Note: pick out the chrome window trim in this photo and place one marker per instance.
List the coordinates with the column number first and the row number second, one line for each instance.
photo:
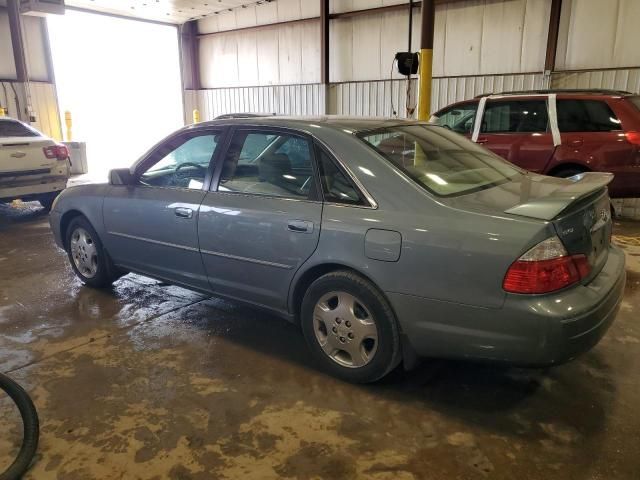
column 247, row 259
column 156, row 242
column 264, row 195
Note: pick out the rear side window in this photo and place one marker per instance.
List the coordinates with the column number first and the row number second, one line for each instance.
column 459, row 118
column 336, row 187
column 9, row 128
column 586, row 116
column 444, row 163
column 515, row 116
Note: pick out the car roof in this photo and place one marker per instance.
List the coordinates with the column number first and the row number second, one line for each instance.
column 562, row 91
column 347, row 124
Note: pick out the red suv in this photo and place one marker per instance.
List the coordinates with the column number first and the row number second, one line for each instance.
column 557, row 132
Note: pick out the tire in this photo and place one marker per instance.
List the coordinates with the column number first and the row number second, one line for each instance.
column 350, row 327
column 568, row 172
column 47, row 200
column 87, row 256
column 31, row 429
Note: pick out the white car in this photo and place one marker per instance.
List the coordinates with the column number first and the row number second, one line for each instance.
column 32, row 165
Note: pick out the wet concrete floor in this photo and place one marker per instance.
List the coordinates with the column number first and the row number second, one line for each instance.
column 148, row 381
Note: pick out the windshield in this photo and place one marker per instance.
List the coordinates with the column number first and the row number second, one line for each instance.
column 441, row 161
column 11, row 128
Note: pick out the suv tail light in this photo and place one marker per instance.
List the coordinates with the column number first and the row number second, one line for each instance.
column 545, row 268
column 57, row 151
column 633, row 138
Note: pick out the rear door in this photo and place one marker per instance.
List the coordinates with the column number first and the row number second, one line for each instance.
column 262, row 220
column 22, row 155
column 593, row 136
column 518, row 131
column 152, row 225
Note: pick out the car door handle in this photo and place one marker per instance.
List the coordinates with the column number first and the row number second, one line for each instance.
column 18, row 155
column 482, row 140
column 183, row 212
column 300, row 226
column 575, row 143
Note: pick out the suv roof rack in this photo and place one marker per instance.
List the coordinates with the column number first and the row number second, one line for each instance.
column 588, row 91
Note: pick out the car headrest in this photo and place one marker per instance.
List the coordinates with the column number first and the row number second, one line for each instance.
column 273, row 167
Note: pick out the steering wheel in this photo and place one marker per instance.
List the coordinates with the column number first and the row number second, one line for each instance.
column 191, row 164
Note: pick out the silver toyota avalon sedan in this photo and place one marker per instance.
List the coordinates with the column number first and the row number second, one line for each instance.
column 385, row 240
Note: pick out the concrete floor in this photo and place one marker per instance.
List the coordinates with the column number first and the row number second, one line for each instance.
column 151, row 381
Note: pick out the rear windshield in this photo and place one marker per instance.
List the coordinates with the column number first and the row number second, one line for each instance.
column 443, row 162
column 635, row 101
column 11, row 128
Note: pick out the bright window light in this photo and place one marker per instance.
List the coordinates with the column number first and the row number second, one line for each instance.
column 120, row 79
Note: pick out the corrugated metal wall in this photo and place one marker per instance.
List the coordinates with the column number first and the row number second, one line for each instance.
column 43, row 102
column 282, row 99
column 627, row 79
column 382, row 98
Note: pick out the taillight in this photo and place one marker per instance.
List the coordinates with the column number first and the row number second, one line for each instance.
column 633, row 138
column 545, row 268
column 57, row 151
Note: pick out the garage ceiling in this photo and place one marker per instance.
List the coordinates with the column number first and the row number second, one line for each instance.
column 171, row 11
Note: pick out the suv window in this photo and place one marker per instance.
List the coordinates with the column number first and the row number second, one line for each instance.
column 11, row 128
column 515, row 116
column 459, row 118
column 182, row 162
column 336, row 187
column 586, row 116
column 268, row 163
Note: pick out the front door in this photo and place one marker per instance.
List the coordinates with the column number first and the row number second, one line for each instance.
column 152, row 225
column 263, row 220
column 518, row 131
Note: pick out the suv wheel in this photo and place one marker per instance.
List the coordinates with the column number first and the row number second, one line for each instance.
column 350, row 327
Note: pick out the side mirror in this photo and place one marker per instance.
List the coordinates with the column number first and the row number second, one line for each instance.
column 120, row 176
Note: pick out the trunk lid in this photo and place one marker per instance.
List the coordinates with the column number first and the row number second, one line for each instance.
column 578, row 207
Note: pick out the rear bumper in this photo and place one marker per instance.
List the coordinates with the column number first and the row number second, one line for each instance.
column 31, row 191
column 527, row 330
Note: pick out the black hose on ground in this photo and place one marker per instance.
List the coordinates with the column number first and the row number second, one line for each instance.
column 31, row 428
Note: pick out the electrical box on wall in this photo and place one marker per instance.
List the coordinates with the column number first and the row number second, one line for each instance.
column 40, row 8
column 407, row 63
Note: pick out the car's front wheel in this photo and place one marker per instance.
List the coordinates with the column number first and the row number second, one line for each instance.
column 86, row 254
column 350, row 327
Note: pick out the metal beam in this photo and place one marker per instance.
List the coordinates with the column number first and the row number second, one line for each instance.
column 189, row 56
column 13, row 10
column 324, row 41
column 552, row 38
column 426, row 58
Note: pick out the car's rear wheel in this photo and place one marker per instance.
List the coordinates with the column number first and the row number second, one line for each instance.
column 350, row 327
column 88, row 258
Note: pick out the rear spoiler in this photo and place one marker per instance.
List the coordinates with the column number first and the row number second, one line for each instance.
column 547, row 208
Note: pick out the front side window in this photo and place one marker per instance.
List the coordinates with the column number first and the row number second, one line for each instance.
column 515, row 116
column 268, row 163
column 459, row 118
column 182, row 162
column 442, row 162
column 586, row 116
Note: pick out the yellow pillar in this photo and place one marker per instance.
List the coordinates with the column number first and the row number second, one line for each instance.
column 196, row 116
column 69, row 123
column 424, row 91
column 2, row 112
